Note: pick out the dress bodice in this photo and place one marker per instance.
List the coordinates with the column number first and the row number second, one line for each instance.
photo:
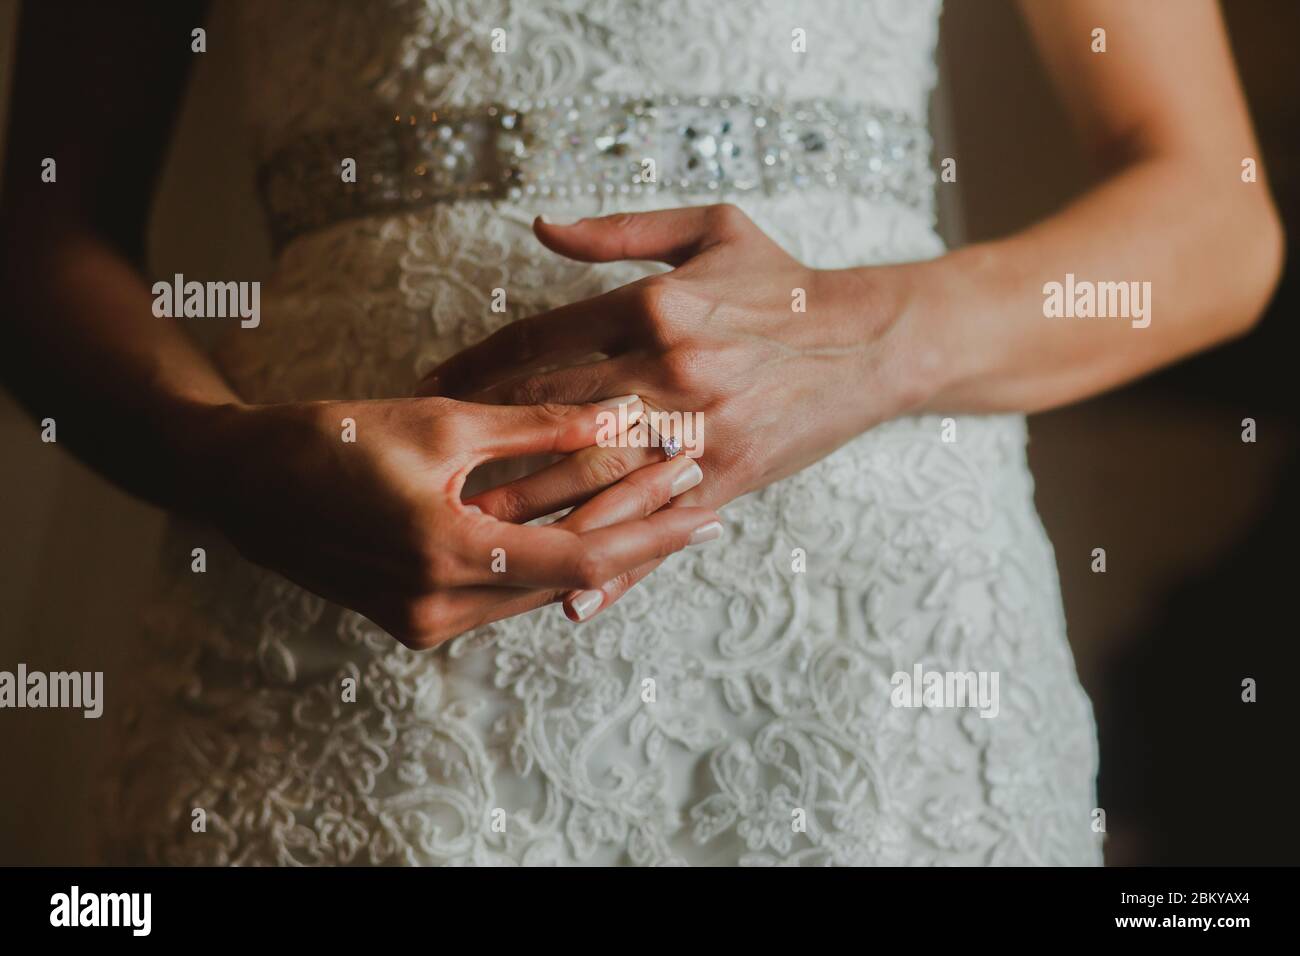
column 531, row 740
column 313, row 66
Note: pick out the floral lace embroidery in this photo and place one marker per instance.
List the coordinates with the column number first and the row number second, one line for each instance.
column 531, row 741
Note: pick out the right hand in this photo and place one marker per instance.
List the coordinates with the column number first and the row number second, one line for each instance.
column 377, row 524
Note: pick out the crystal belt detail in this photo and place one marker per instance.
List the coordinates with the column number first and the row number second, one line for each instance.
column 593, row 146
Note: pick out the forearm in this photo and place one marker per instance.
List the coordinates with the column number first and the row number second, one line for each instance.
column 973, row 321
column 129, row 392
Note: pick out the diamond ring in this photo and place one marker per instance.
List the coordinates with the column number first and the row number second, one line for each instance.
column 655, row 421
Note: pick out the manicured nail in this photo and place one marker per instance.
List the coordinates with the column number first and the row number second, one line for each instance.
column 706, row 532
column 686, row 479
column 587, row 603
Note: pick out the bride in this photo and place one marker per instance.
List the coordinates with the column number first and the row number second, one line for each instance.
column 559, row 211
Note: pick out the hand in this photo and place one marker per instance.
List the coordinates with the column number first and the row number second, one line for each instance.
column 377, row 524
column 719, row 334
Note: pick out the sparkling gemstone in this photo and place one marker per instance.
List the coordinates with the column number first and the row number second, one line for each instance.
column 813, row 141
column 550, row 147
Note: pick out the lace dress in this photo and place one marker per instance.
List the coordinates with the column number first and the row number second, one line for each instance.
column 767, row 735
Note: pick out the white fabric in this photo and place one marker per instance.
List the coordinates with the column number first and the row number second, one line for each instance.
column 530, row 741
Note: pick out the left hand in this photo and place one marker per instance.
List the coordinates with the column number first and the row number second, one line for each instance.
column 720, row 334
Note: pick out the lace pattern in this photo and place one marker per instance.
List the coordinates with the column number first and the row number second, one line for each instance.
column 532, row 741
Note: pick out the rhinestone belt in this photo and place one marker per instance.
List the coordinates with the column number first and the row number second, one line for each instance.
column 598, row 145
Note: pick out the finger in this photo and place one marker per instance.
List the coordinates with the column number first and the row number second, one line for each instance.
column 562, row 335
column 509, row 431
column 618, row 503
column 639, row 495
column 510, row 555
column 582, row 606
column 568, row 482
column 666, row 235
column 569, row 386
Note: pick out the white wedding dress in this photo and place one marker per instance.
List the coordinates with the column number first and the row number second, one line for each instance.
column 769, row 737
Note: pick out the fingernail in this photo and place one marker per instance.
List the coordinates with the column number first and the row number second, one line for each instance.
column 587, row 603
column 552, row 222
column 474, row 509
column 686, row 479
column 621, row 400
column 706, row 532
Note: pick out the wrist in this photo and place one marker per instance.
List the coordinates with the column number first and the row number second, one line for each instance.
column 941, row 330
column 904, row 362
column 202, row 436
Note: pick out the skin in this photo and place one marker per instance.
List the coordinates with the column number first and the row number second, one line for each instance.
column 963, row 333
column 377, row 525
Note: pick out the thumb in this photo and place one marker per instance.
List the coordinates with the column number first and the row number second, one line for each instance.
column 665, row 235
column 509, row 431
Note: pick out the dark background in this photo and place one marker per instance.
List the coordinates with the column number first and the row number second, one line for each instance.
column 1200, row 529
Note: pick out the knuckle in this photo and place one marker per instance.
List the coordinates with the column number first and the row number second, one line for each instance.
column 550, row 413
column 452, row 428
column 589, row 571
column 425, row 623
column 411, row 637
column 506, row 503
column 439, row 406
column 725, row 217
column 401, row 635
column 670, row 544
column 418, row 641
column 653, row 296
column 603, row 466
column 624, row 227
column 616, row 588
column 532, row 390
column 655, row 306
column 649, row 499
column 681, row 369
column 647, row 495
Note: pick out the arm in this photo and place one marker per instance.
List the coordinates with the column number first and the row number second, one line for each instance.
column 1163, row 115
column 962, row 333
column 377, row 524
column 81, row 345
